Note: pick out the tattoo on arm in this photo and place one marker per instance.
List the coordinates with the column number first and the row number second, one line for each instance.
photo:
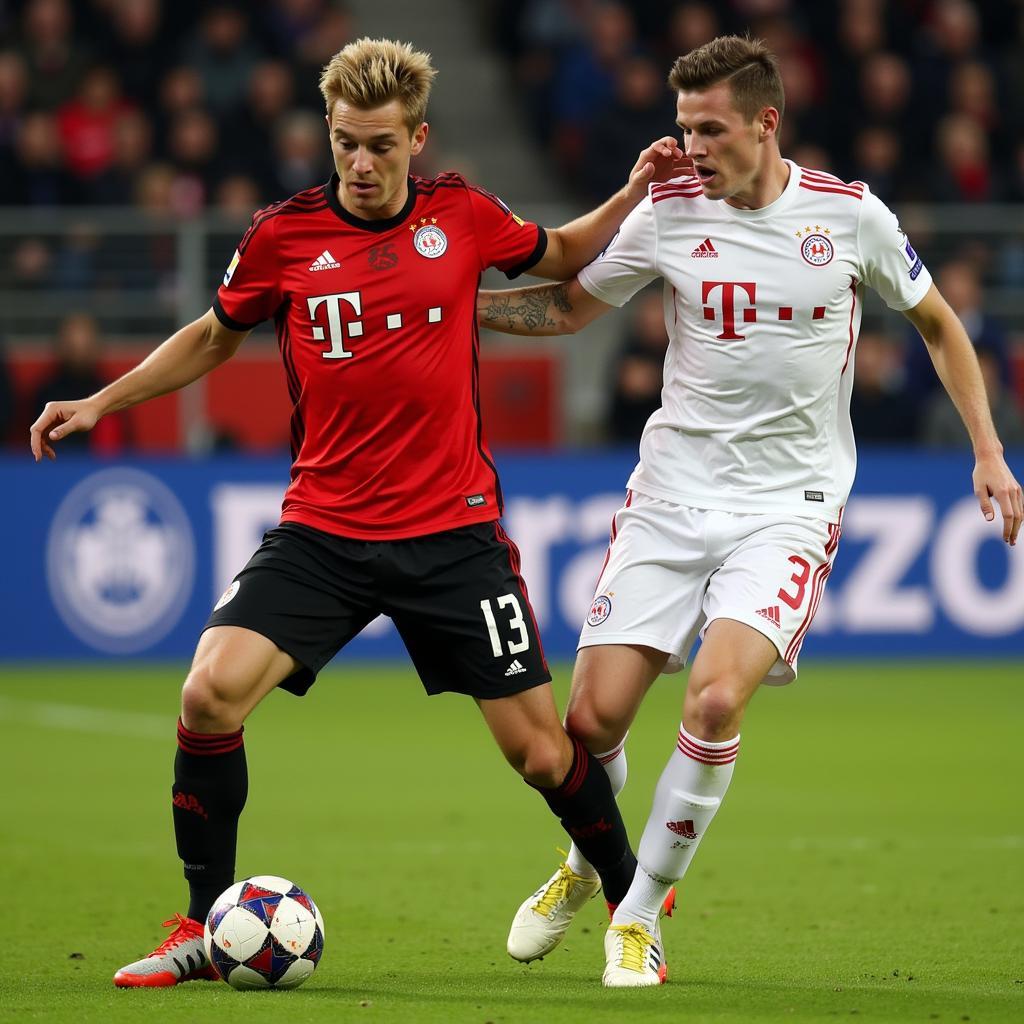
column 528, row 310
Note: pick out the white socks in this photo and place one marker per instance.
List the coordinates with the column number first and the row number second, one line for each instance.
column 688, row 794
column 614, row 762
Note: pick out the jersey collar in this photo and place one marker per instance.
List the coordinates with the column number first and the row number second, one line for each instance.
column 331, row 195
column 778, row 204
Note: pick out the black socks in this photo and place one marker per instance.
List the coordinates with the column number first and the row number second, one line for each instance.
column 209, row 791
column 586, row 807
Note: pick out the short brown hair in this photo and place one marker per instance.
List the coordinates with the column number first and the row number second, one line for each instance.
column 371, row 72
column 750, row 68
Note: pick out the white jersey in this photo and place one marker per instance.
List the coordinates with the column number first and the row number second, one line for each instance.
column 763, row 308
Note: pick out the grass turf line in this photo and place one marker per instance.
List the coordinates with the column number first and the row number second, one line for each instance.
column 866, row 865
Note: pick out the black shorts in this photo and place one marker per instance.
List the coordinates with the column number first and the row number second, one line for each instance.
column 457, row 599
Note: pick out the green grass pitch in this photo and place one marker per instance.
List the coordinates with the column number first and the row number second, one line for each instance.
column 868, row 864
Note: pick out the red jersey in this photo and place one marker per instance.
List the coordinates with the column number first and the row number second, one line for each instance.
column 376, row 323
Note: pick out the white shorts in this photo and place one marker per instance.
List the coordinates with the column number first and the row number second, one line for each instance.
column 672, row 569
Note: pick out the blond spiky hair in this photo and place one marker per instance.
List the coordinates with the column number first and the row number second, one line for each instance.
column 371, row 72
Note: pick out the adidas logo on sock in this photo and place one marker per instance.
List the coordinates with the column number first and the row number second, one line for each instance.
column 514, row 669
column 682, row 828
column 771, row 614
column 325, row 261
column 705, row 249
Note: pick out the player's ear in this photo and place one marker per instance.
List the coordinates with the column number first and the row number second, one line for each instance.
column 419, row 138
column 768, row 123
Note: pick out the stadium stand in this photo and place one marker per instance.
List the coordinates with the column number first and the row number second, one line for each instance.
column 136, row 137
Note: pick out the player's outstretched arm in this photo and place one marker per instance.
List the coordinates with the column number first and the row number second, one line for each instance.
column 562, row 308
column 572, row 246
column 957, row 366
column 184, row 357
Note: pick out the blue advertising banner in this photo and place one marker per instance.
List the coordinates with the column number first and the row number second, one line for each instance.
column 127, row 559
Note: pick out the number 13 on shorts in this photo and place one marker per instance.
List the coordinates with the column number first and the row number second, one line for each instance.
column 516, row 625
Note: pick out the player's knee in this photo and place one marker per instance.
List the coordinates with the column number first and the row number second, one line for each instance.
column 544, row 763
column 715, row 710
column 595, row 729
column 210, row 700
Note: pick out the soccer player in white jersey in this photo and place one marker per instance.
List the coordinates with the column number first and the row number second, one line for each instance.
column 733, row 513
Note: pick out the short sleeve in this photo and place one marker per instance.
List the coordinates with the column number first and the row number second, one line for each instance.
column 505, row 241
column 251, row 292
column 629, row 261
column 889, row 263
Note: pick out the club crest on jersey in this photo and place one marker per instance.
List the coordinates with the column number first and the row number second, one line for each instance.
column 227, row 595
column 599, row 610
column 429, row 239
column 815, row 245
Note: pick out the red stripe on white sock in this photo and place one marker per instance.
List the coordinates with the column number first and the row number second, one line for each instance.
column 612, row 754
column 707, row 753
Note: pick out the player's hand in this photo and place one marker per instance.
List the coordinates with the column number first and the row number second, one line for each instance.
column 57, row 420
column 662, row 160
column 993, row 479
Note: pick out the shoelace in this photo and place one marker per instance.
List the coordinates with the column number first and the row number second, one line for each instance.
column 556, row 892
column 182, row 932
column 636, row 940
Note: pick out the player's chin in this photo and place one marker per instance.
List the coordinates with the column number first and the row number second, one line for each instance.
column 713, row 186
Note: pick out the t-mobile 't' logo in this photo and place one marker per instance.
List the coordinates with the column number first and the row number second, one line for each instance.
column 728, row 306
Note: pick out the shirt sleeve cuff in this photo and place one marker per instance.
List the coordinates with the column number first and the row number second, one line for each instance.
column 593, row 288
column 534, row 258
column 229, row 321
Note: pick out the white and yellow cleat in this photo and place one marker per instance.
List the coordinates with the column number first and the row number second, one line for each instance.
column 635, row 958
column 543, row 919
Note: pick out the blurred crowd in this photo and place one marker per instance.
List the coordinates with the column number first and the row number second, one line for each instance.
column 179, row 107
column 922, row 99
column 171, row 105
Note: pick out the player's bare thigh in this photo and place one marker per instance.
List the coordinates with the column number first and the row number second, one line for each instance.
column 232, row 671
column 732, row 661
column 609, row 683
column 528, row 731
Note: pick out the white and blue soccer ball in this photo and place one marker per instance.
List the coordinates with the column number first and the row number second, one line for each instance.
column 264, row 932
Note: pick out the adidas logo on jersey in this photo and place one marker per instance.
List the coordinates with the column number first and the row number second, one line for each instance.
column 771, row 614
column 705, row 249
column 514, row 669
column 325, row 261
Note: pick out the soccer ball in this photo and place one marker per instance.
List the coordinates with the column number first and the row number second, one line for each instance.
column 264, row 932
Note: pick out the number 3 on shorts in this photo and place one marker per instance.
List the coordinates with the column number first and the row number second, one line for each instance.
column 517, row 623
column 800, row 578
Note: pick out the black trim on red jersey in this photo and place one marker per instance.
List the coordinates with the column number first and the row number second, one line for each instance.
column 331, row 194
column 534, row 258
column 498, row 202
column 446, row 179
column 229, row 321
column 498, row 497
column 296, row 424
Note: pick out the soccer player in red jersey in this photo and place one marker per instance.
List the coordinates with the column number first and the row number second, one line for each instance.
column 394, row 502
